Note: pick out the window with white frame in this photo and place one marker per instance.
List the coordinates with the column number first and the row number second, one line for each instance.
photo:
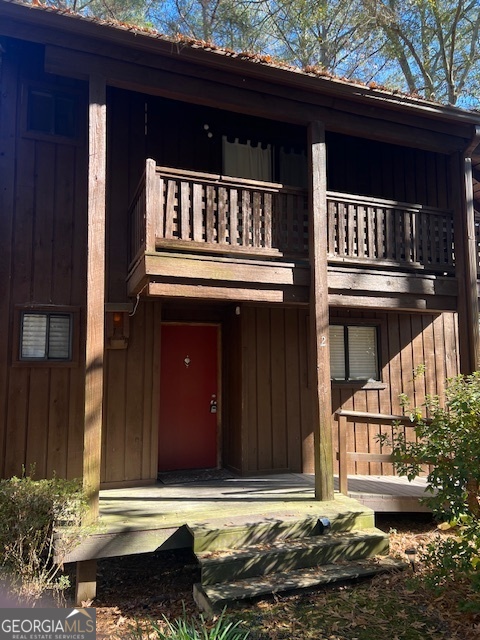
column 45, row 336
column 354, row 352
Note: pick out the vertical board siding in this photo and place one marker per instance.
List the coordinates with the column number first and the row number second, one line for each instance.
column 407, row 341
column 130, row 403
column 274, row 383
column 43, row 219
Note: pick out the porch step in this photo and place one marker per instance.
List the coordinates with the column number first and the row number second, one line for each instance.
column 288, row 555
column 240, row 531
column 212, row 598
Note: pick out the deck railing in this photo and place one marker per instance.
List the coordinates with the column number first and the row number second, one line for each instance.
column 363, row 230
column 345, row 417
column 201, row 212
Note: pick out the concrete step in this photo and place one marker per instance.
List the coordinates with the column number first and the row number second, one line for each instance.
column 212, row 598
column 287, row 555
column 241, row 531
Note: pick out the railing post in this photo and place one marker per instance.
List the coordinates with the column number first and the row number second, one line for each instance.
column 152, row 200
column 342, row 454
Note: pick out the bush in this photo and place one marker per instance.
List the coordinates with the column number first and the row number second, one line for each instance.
column 33, row 513
column 449, row 442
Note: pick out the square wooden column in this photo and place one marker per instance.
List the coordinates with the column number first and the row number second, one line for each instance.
column 466, row 257
column 94, row 349
column 319, row 346
column 94, row 325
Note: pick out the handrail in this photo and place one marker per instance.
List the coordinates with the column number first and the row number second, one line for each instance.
column 344, row 416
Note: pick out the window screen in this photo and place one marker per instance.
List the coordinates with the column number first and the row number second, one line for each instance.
column 45, row 336
column 353, row 352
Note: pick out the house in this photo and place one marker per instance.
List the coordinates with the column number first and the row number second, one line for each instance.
column 205, row 254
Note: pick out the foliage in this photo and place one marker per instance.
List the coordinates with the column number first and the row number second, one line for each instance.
column 429, row 48
column 193, row 629
column 449, row 442
column 33, row 512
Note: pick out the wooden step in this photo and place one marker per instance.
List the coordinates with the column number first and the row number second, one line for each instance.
column 241, row 531
column 287, row 555
column 212, row 598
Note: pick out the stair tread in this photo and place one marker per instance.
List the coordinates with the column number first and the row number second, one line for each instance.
column 295, row 580
column 288, row 545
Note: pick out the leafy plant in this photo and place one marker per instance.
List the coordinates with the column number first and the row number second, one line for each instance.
column 449, row 442
column 193, row 629
column 34, row 512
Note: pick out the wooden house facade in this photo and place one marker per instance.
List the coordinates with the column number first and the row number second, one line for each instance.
column 205, row 255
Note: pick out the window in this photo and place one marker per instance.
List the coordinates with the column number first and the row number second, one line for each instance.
column 353, row 352
column 247, row 160
column 45, row 336
column 52, row 112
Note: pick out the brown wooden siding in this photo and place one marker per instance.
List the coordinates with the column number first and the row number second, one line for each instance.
column 406, row 342
column 131, row 401
column 42, row 251
column 275, row 398
column 381, row 170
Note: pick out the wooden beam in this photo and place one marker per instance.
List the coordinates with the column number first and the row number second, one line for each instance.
column 398, row 302
column 471, row 265
column 319, row 313
column 94, row 349
column 255, row 101
column 285, row 294
column 466, row 253
column 8, row 127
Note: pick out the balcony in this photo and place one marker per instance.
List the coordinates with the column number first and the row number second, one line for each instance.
column 244, row 236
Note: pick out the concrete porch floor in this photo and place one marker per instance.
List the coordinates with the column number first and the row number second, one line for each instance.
column 144, row 519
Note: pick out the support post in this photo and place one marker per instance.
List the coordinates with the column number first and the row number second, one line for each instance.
column 86, row 582
column 94, row 340
column 466, row 257
column 342, row 454
column 319, row 314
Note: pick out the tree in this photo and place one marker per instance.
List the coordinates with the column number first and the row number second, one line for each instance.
column 232, row 24
column 434, row 43
column 329, row 33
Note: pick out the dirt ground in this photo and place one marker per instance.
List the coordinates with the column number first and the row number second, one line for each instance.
column 135, row 588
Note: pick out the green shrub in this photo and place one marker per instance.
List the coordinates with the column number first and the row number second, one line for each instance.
column 449, row 442
column 33, row 512
column 193, row 629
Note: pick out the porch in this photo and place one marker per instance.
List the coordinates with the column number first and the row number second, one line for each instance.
column 143, row 519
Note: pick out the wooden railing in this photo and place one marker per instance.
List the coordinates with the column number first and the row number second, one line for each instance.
column 202, row 212
column 207, row 212
column 344, row 417
column 363, row 230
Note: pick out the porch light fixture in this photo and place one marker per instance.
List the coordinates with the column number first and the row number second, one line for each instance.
column 117, row 325
column 411, row 554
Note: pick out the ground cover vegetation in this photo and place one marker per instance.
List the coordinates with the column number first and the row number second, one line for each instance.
column 428, row 48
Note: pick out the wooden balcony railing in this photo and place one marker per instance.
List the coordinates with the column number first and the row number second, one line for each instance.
column 200, row 212
column 364, row 230
column 206, row 212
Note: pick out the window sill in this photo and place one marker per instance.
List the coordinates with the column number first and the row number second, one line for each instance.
column 366, row 385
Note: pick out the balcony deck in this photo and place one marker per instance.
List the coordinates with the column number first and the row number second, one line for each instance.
column 204, row 235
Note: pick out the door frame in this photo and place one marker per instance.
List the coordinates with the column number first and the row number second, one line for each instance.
column 218, row 325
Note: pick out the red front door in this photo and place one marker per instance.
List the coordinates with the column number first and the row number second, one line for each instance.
column 187, row 436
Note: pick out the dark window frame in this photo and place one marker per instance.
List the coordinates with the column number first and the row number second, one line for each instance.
column 57, row 92
column 49, row 311
column 363, row 382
